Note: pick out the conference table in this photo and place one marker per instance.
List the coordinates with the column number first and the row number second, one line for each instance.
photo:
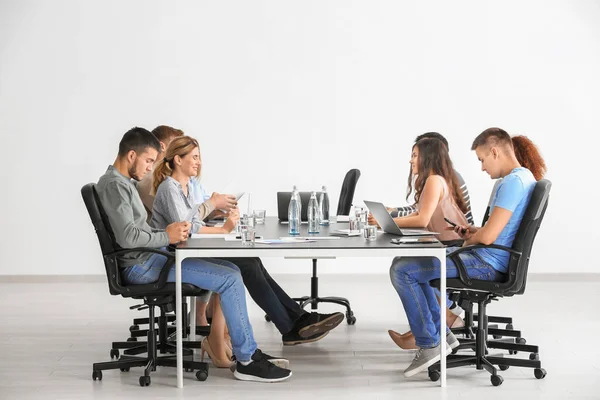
column 354, row 246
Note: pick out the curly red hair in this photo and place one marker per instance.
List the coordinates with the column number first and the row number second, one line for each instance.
column 529, row 156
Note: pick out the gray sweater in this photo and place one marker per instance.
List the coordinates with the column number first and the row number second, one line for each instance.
column 127, row 217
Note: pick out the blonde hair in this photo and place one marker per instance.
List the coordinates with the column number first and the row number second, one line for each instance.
column 180, row 146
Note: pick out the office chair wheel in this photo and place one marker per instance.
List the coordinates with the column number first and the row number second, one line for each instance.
column 509, row 327
column 434, row 376
column 124, row 369
column 267, row 318
column 503, row 367
column 114, row 353
column 350, row 318
column 97, row 375
column 534, row 356
column 512, row 352
column 144, row 381
column 521, row 341
column 497, row 380
column 134, row 328
column 202, row 375
column 132, row 339
column 540, row 373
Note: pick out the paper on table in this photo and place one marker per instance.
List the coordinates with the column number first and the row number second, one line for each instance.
column 283, row 241
column 345, row 232
column 342, row 218
column 311, row 238
column 213, row 235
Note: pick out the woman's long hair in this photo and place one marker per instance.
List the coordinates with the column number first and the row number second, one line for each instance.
column 435, row 160
column 529, row 156
column 180, row 146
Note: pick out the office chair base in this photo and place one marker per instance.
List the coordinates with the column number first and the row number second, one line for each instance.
column 126, row 362
column 481, row 345
column 314, row 298
column 304, row 301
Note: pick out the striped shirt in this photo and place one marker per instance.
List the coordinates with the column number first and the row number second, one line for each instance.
column 407, row 210
column 172, row 205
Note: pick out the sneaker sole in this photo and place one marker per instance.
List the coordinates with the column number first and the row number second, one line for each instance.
column 295, row 342
column 322, row 326
column 280, row 362
column 254, row 378
column 426, row 365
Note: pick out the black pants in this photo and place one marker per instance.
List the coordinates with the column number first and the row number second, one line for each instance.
column 269, row 296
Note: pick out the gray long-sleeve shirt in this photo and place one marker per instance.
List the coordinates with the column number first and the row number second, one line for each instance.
column 172, row 205
column 127, row 217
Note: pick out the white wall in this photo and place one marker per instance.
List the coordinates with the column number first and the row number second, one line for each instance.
column 281, row 93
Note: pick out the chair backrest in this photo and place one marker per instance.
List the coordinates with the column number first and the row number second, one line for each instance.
column 106, row 237
column 530, row 224
column 347, row 192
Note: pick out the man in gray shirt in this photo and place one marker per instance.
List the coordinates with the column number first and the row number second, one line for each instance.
column 127, row 217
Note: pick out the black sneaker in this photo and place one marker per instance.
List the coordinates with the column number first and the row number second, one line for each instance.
column 293, row 338
column 314, row 323
column 279, row 361
column 261, row 369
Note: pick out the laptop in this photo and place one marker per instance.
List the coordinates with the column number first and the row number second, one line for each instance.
column 283, row 203
column 387, row 222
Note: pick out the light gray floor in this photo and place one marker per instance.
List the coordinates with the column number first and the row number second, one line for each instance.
column 53, row 332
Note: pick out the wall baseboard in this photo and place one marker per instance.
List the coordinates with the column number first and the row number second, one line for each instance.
column 533, row 277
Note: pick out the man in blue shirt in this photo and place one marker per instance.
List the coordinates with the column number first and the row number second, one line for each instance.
column 410, row 275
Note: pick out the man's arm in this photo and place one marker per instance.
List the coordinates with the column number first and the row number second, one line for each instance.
column 509, row 195
column 116, row 200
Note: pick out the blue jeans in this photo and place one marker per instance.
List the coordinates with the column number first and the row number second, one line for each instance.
column 410, row 277
column 219, row 276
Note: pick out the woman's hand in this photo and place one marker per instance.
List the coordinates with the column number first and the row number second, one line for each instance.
column 372, row 221
column 232, row 219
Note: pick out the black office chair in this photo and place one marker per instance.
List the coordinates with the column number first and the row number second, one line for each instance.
column 159, row 294
column 344, row 205
column 484, row 292
column 470, row 317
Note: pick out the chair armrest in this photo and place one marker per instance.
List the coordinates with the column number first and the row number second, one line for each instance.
column 462, row 271
column 484, row 246
column 164, row 272
column 141, row 250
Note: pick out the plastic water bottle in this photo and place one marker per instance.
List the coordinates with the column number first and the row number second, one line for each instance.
column 313, row 214
column 324, row 207
column 294, row 213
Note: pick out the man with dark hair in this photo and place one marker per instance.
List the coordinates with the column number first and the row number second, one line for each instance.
column 407, row 210
column 138, row 151
column 410, row 275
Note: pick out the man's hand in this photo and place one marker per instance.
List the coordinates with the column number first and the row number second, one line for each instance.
column 372, row 221
column 222, row 201
column 465, row 232
column 232, row 219
column 178, row 231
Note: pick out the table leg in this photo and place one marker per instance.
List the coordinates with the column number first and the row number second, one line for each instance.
column 443, row 317
column 178, row 319
column 193, row 311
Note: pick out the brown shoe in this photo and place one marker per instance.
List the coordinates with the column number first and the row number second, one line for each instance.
column 405, row 341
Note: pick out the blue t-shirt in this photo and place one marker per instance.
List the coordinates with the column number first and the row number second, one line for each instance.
column 513, row 194
column 200, row 193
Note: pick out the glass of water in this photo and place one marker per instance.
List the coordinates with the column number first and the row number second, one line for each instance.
column 370, row 233
column 248, row 235
column 259, row 216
